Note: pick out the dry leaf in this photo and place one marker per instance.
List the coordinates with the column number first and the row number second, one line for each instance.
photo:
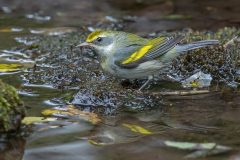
column 31, row 120
column 10, row 67
column 137, row 129
column 73, row 111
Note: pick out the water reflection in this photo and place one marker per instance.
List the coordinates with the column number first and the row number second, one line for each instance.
column 145, row 135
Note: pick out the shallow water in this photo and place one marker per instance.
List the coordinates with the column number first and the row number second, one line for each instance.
column 205, row 118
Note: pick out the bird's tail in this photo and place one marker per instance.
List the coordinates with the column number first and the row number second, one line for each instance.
column 179, row 49
column 195, row 45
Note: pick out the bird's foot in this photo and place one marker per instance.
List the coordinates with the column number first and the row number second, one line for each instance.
column 146, row 83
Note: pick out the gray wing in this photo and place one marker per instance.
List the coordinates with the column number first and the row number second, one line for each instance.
column 159, row 46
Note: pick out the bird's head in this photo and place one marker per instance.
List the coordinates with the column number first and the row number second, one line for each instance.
column 102, row 42
column 105, row 43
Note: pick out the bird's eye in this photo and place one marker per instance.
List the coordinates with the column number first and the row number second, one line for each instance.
column 99, row 39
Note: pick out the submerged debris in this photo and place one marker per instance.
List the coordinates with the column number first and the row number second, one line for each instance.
column 38, row 17
column 72, row 112
column 198, row 80
column 32, row 120
column 199, row 149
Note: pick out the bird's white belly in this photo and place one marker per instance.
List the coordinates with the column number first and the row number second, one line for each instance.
column 142, row 71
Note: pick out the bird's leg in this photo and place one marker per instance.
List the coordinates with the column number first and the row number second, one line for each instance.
column 146, row 83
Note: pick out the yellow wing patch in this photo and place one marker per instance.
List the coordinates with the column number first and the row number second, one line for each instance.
column 142, row 51
column 92, row 36
column 138, row 54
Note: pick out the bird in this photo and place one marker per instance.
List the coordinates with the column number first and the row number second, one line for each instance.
column 129, row 56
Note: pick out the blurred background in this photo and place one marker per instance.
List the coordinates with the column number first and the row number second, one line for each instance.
column 141, row 15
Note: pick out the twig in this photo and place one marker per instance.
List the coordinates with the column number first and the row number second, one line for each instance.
column 182, row 93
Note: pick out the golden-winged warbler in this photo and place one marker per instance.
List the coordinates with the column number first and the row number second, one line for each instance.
column 126, row 55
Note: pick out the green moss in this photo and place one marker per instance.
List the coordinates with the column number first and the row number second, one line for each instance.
column 11, row 108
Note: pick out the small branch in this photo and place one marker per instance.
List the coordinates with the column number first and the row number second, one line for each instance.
column 182, row 93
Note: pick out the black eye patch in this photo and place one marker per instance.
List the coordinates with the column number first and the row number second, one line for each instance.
column 99, row 39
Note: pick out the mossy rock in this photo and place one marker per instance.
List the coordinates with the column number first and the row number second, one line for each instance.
column 11, row 109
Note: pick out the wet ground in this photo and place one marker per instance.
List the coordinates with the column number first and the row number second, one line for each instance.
column 118, row 122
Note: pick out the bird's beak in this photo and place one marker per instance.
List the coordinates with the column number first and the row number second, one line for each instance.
column 84, row 44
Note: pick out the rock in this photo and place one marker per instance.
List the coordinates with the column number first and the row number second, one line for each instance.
column 11, row 109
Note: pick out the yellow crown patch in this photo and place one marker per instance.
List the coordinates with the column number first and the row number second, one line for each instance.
column 92, row 36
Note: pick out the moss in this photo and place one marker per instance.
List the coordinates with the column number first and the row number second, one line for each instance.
column 11, row 108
